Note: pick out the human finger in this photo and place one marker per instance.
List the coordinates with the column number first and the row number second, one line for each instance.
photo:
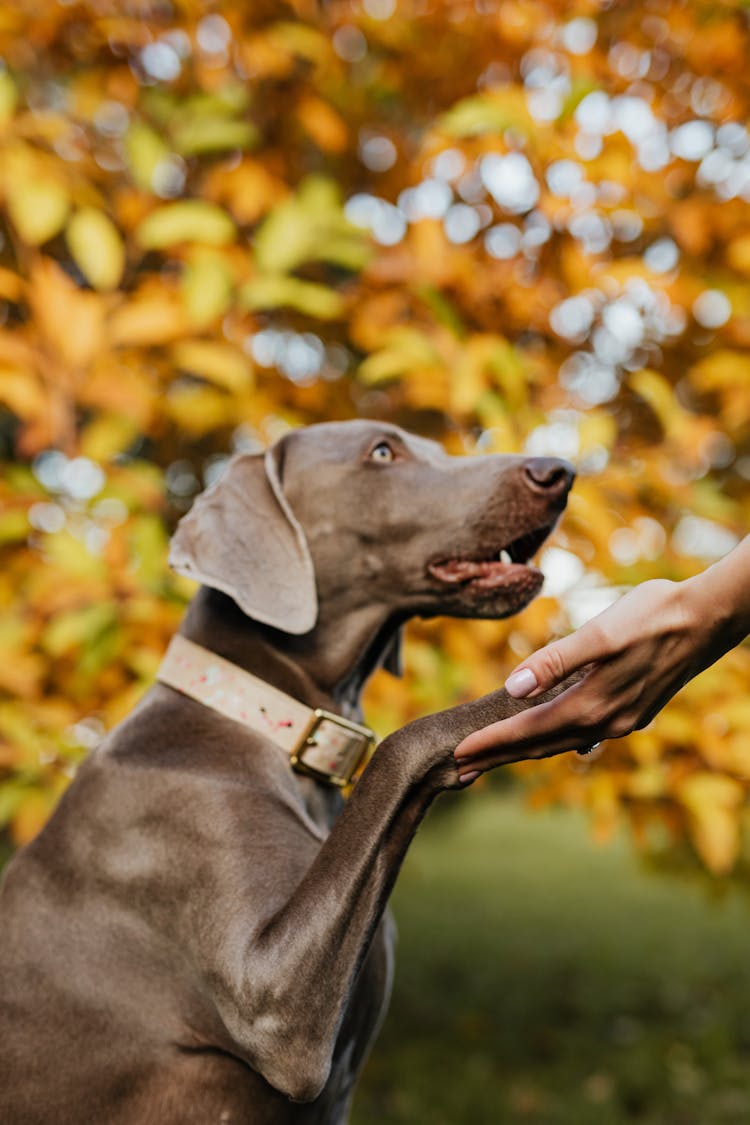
column 536, row 725
column 491, row 760
column 554, row 663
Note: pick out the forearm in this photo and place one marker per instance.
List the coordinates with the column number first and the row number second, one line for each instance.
column 718, row 599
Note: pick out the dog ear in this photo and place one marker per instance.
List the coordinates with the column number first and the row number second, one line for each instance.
column 241, row 537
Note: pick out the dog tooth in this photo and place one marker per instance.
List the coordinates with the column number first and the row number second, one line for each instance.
column 505, row 557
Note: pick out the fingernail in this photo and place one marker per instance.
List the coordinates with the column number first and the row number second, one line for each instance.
column 467, row 778
column 521, row 683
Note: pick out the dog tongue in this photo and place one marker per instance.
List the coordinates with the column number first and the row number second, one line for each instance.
column 461, row 570
column 464, row 570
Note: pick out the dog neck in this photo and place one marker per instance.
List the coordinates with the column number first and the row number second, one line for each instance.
column 323, row 668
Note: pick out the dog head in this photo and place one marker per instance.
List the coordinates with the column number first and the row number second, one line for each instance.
column 351, row 514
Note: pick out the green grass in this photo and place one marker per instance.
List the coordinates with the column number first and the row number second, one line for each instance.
column 543, row 979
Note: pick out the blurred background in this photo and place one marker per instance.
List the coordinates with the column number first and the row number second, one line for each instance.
column 510, row 226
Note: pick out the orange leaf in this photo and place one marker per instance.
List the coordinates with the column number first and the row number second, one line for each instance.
column 71, row 321
column 321, row 122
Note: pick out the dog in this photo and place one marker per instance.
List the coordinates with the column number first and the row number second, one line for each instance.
column 199, row 934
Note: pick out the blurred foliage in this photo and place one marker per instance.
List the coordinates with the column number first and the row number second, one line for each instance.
column 564, row 983
column 505, row 225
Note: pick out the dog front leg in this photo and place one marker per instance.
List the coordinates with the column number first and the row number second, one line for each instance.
column 300, row 967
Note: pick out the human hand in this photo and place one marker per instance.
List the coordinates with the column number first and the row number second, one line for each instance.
column 635, row 656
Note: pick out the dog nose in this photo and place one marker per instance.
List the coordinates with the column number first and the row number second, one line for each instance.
column 549, row 475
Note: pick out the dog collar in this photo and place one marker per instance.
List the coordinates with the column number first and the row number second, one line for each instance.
column 319, row 743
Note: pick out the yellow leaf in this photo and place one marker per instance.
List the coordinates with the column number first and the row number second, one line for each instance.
column 510, row 369
column 108, row 435
column 490, row 112
column 604, row 804
column 206, row 286
column 300, row 39
column 96, row 247
column 31, row 816
column 189, row 220
column 145, row 151
column 71, row 557
column 722, row 368
column 657, row 392
column 306, row 296
column 310, row 227
column 219, row 363
column 37, row 208
column 466, row 389
column 596, row 429
column 17, row 728
column 406, row 351
column 22, row 393
column 738, row 254
column 10, row 284
column 713, row 802
column 197, row 410
column 647, row 783
column 148, row 319
column 23, row 674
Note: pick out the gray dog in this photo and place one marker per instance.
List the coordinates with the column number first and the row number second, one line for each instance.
column 199, row 935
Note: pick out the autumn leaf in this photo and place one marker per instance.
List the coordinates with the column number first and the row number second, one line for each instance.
column 190, row 220
column 521, row 231
column 96, row 248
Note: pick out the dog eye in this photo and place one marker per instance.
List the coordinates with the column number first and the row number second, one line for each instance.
column 382, row 452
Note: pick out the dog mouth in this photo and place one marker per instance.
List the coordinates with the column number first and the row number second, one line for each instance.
column 507, row 569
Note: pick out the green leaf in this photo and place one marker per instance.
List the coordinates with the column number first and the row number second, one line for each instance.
column 406, row 350
column 305, row 296
column 486, row 113
column 71, row 557
column 310, row 227
column 300, row 39
column 443, row 309
column 213, row 134
column 14, row 526
column 106, row 435
column 12, row 795
column 230, row 100
column 8, row 96
column 148, row 545
column 77, row 627
column 580, row 88
column 96, row 248
column 189, row 220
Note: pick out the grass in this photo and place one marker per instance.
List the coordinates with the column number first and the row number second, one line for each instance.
column 541, row 979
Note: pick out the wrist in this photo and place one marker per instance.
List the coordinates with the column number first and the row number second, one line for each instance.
column 713, row 608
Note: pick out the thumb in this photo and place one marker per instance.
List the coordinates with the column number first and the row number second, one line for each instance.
column 554, row 663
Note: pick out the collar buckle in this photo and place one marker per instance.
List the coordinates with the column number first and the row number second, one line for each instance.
column 332, row 748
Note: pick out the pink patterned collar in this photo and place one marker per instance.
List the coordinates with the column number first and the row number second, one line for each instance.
column 319, row 743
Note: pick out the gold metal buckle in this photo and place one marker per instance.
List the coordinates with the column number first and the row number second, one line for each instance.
column 332, row 748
